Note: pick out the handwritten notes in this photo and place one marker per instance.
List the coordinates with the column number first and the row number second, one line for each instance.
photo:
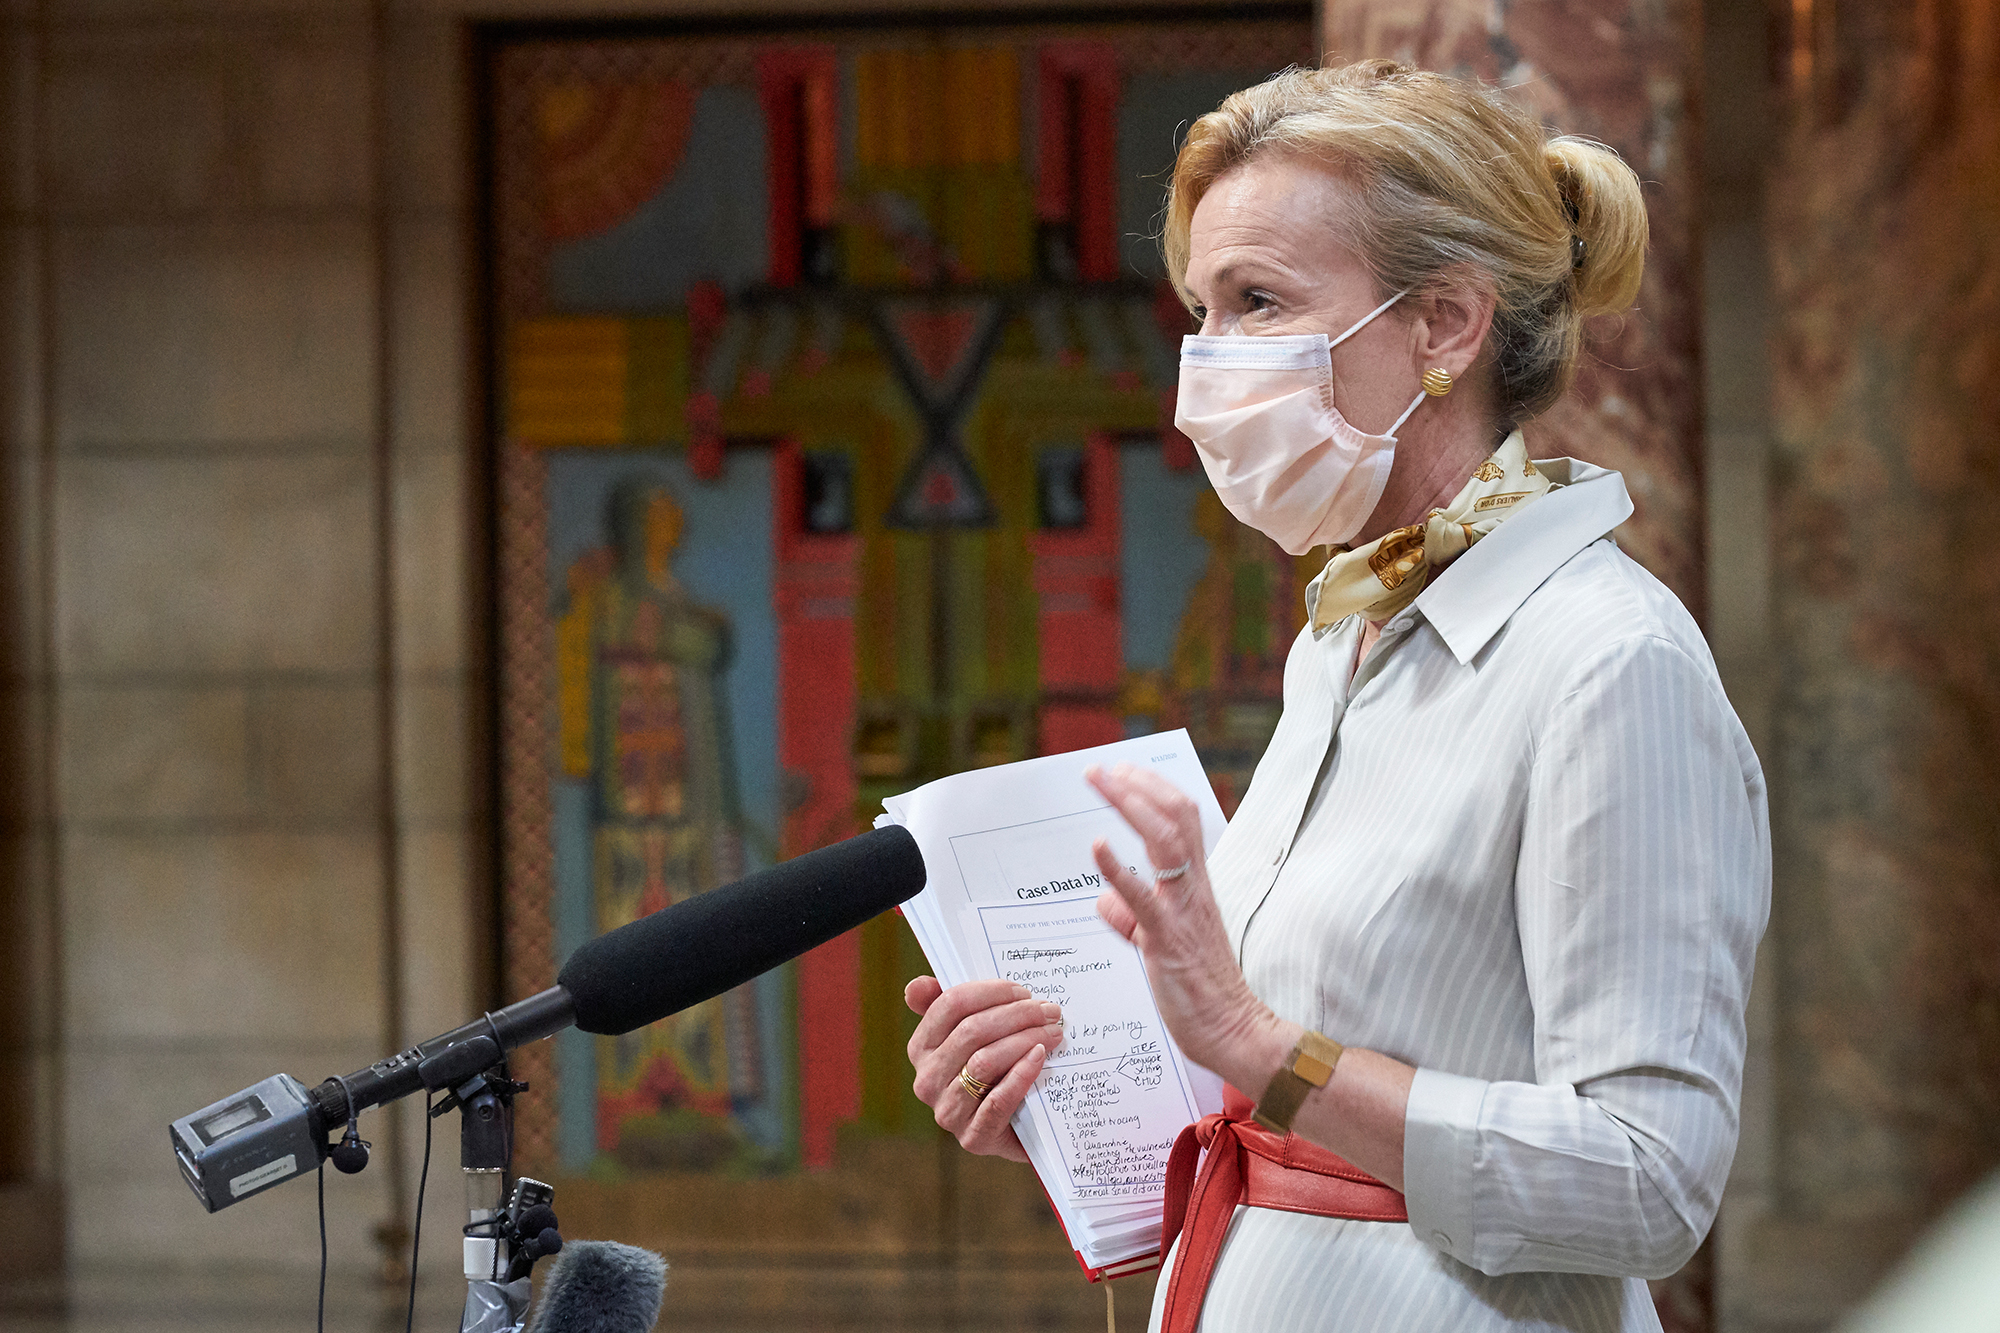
column 1012, row 893
column 1106, row 1098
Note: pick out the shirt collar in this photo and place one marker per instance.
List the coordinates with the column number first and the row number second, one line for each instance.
column 1481, row 590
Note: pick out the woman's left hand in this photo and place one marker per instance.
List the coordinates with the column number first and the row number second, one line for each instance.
column 1177, row 927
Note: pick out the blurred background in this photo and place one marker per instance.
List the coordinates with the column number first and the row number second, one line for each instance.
column 479, row 472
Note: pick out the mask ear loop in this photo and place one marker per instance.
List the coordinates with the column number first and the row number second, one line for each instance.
column 1363, row 322
column 1414, row 404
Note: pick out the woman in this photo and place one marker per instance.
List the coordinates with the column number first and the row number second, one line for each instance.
column 1480, row 934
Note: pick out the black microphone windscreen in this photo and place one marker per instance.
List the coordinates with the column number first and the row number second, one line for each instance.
column 600, row 1286
column 715, row 941
column 533, row 1220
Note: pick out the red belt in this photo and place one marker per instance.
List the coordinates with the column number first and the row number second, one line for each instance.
column 1247, row 1163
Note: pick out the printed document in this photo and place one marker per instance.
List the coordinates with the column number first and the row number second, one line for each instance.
column 1011, row 893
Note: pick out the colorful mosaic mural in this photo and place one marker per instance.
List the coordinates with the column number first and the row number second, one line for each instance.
column 834, row 454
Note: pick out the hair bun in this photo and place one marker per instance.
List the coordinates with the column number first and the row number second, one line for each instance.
column 1608, row 215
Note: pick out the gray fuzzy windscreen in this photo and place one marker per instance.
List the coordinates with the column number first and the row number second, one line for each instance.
column 600, row 1286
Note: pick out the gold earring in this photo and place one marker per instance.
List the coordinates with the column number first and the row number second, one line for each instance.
column 1437, row 381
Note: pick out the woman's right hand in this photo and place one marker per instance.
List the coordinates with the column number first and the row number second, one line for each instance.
column 1000, row 1032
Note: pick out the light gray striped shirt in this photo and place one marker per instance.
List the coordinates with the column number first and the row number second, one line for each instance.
column 1526, row 851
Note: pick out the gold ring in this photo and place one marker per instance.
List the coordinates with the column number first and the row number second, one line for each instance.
column 973, row 1087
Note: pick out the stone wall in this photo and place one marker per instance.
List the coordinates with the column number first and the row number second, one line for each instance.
column 1735, row 266
column 236, row 373
column 1882, row 243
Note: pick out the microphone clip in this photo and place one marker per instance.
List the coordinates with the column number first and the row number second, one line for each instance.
column 492, row 1081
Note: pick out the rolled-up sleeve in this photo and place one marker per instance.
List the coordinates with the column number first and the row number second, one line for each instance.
column 1641, row 889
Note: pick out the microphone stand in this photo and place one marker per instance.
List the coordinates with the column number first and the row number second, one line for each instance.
column 485, row 1106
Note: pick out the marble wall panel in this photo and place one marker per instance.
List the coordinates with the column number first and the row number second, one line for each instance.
column 23, row 533
column 20, row 338
column 217, row 13
column 317, row 761
column 1737, row 397
column 28, row 739
column 315, row 122
column 250, row 333
column 432, row 595
column 221, row 938
column 155, row 753
column 429, row 142
column 20, row 52
column 431, row 276
column 19, row 1052
column 1884, row 208
column 29, row 1041
column 130, row 1211
column 23, row 625
column 432, row 764
column 212, row 228
column 916, row 10
column 441, row 971
column 137, row 121
column 214, row 563
column 171, row 119
column 1626, row 73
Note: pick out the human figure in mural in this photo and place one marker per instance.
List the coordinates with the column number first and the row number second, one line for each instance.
column 664, row 824
column 1227, row 675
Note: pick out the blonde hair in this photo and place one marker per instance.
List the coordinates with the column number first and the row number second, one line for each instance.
column 1448, row 175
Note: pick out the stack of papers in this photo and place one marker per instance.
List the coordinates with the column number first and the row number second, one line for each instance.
column 1012, row 892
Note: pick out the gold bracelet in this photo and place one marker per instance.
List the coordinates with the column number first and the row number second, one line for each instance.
column 1309, row 1066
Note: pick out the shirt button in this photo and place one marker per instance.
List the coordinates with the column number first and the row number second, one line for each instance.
column 1442, row 1241
column 1278, row 855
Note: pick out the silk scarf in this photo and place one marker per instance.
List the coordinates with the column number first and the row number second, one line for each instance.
column 1382, row 577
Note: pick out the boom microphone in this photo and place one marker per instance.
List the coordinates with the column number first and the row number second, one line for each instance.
column 622, row 980
column 716, row 941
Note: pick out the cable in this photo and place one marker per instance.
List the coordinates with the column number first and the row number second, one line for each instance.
column 417, row 1232
column 322, row 1245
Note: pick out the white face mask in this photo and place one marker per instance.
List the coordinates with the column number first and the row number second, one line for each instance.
column 1281, row 457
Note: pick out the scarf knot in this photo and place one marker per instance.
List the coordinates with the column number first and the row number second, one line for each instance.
column 1381, row 577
